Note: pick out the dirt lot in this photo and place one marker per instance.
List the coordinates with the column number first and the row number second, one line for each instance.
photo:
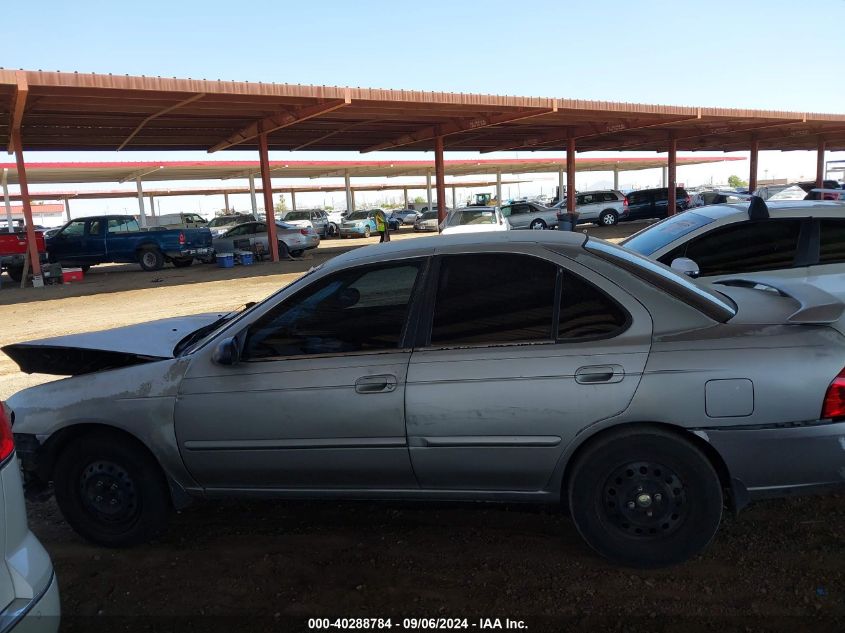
column 270, row 566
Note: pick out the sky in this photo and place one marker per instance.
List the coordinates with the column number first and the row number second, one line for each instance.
column 765, row 55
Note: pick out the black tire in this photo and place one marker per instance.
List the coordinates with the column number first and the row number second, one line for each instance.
column 284, row 252
column 16, row 273
column 135, row 505
column 538, row 225
column 183, row 262
column 608, row 217
column 85, row 268
column 331, row 230
column 297, row 253
column 657, row 472
column 366, row 231
column 151, row 259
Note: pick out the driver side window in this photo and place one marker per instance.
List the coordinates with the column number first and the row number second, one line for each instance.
column 358, row 310
column 74, row 229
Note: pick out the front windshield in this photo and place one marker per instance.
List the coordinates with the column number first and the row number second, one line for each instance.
column 358, row 215
column 298, row 215
column 221, row 221
column 197, row 339
column 653, row 238
column 429, row 215
column 472, row 217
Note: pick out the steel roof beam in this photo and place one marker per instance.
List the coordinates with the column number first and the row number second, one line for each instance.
column 455, row 127
column 579, row 133
column 158, row 114
column 278, row 121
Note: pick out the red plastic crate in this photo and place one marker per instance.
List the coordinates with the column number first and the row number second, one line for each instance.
column 72, row 275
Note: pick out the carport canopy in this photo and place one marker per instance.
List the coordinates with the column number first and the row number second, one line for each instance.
column 76, row 111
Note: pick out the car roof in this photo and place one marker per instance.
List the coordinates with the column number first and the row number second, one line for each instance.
column 777, row 208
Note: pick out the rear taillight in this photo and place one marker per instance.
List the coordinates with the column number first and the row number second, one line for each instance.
column 625, row 201
column 303, row 231
column 181, row 239
column 834, row 399
column 7, row 442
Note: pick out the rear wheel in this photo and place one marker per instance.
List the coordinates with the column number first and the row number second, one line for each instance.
column 151, row 259
column 183, row 262
column 538, row 225
column 331, row 230
column 608, row 217
column 644, row 497
column 284, row 252
column 296, row 253
column 111, row 491
column 16, row 273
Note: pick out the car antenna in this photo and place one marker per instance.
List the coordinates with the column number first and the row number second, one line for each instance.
column 758, row 210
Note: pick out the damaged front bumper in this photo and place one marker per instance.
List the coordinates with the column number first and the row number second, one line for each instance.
column 767, row 462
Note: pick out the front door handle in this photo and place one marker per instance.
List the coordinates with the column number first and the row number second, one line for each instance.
column 376, row 384
column 599, row 374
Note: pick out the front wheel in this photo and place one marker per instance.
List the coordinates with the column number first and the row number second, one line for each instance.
column 111, row 491
column 644, row 497
column 608, row 218
column 331, row 230
column 538, row 225
column 151, row 259
column 366, row 231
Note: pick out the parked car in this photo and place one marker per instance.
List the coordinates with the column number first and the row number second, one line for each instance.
column 119, row 238
column 29, row 591
column 427, row 221
column 544, row 367
column 315, row 218
column 407, row 216
column 394, row 222
column 795, row 240
column 223, row 223
column 654, row 203
column 529, row 215
column 475, row 220
column 603, row 207
column 358, row 224
column 706, row 198
column 293, row 240
column 185, row 220
column 13, row 248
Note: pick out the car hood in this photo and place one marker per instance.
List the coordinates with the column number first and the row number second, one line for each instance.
column 78, row 354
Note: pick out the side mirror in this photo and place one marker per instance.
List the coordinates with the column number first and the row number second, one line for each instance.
column 227, row 352
column 686, row 266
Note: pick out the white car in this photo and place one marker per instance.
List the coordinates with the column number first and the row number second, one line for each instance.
column 475, row 220
column 801, row 240
column 29, row 592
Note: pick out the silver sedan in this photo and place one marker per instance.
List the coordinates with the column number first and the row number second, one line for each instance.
column 293, row 240
column 517, row 366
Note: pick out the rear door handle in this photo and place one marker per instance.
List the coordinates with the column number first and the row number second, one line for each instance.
column 599, row 374
column 376, row 384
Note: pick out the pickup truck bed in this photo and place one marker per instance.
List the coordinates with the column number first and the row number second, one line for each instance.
column 119, row 239
column 13, row 250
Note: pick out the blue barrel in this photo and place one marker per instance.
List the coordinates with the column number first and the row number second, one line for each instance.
column 245, row 258
column 225, row 260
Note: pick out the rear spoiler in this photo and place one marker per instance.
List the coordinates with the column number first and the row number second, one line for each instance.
column 817, row 306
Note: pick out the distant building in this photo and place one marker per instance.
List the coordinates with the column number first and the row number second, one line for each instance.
column 42, row 214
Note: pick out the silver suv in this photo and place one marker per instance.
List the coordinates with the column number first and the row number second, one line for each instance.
column 29, row 593
column 604, row 207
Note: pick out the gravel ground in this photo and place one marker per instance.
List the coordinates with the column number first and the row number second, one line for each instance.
column 255, row 566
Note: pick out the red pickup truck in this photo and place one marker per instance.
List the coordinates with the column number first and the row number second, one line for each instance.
column 13, row 249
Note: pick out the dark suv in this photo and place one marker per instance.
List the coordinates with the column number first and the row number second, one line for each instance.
column 653, row 203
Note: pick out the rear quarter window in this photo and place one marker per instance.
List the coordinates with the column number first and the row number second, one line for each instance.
column 832, row 242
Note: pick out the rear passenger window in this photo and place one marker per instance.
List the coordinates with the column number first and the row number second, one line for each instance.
column 586, row 312
column 832, row 242
column 493, row 298
column 744, row 247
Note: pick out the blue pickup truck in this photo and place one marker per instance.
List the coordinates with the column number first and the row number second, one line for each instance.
column 105, row 239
